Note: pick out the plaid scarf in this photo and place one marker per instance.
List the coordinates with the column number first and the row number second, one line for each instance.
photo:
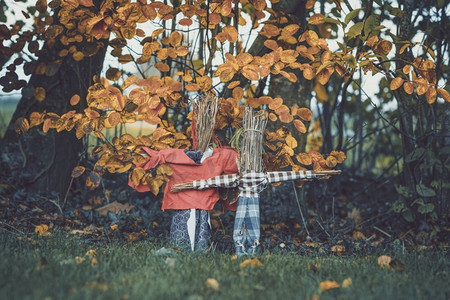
column 250, row 184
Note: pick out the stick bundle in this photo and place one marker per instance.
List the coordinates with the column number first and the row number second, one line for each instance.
column 250, row 156
column 205, row 111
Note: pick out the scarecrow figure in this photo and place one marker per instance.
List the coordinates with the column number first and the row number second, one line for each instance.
column 250, row 182
column 190, row 226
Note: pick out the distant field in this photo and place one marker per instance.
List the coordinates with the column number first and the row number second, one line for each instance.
column 7, row 107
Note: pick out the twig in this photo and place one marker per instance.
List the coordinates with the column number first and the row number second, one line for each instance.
column 67, row 192
column 205, row 111
column 23, row 153
column 323, row 228
column 300, row 209
column 382, row 231
column 334, row 225
column 12, row 227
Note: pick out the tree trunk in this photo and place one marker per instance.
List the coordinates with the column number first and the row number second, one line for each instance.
column 43, row 162
column 406, row 102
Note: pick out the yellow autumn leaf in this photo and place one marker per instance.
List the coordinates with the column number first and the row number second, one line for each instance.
column 238, row 93
column 233, row 84
column 231, row 33
column 308, row 72
column 408, row 87
column 331, row 161
column 304, row 113
column 42, row 230
column 316, row 19
column 383, row 47
column 78, row 171
column 164, row 169
column 347, row 282
column 79, row 259
column 396, row 83
column 250, row 72
column 270, row 30
column 21, row 125
column 251, row 262
column 94, row 261
column 339, row 155
column 431, row 95
column 162, row 67
column 175, row 38
column 291, row 141
column 338, row 249
column 39, row 93
column 406, row 69
column 444, row 94
column 328, row 285
column 310, row 4
column 300, row 126
column 185, row 22
column 291, row 29
column 114, row 227
column 304, row 159
column 212, row 284
column 74, row 100
column 384, row 261
column 91, row 253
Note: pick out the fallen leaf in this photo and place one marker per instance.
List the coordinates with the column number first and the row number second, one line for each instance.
column 94, row 261
column 212, row 284
column 347, row 282
column 91, row 253
column 328, row 285
column 42, row 230
column 170, row 261
column 384, row 261
column 114, row 207
column 358, row 235
column 234, row 257
column 338, row 249
column 79, row 259
column 251, row 262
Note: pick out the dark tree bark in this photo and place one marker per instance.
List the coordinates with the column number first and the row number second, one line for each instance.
column 43, row 162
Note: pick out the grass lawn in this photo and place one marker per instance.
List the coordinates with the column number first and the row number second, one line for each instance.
column 57, row 267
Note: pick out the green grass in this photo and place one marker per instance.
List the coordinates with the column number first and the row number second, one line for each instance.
column 34, row 267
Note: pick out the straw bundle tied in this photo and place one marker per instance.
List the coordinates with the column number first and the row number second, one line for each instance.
column 205, row 111
column 250, row 156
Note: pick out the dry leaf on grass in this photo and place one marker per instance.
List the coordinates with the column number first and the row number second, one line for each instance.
column 251, row 262
column 212, row 284
column 94, row 261
column 79, row 259
column 114, row 207
column 384, row 261
column 328, row 285
column 338, row 249
column 42, row 230
column 347, row 282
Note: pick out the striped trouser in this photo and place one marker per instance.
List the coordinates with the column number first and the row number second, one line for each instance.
column 247, row 226
column 190, row 229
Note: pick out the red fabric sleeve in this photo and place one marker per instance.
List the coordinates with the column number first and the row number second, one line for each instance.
column 230, row 161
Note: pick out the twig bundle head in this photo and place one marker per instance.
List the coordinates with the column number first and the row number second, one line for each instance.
column 250, row 154
column 204, row 116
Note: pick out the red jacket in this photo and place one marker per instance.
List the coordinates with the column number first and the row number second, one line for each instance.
column 222, row 161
